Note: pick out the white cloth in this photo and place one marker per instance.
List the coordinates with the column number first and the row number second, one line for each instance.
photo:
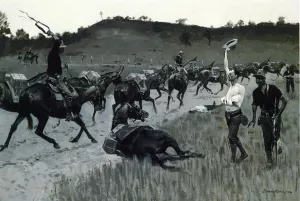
column 236, row 94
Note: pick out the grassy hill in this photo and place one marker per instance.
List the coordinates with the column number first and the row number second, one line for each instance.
column 135, row 41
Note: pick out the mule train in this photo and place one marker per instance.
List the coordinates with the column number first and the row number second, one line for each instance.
column 38, row 96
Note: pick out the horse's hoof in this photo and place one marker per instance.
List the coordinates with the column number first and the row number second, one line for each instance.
column 195, row 95
column 56, row 146
column 94, row 141
column 2, row 147
column 73, row 140
column 167, row 108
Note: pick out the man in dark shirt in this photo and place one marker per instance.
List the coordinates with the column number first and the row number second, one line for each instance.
column 54, row 71
column 179, row 64
column 288, row 74
column 267, row 97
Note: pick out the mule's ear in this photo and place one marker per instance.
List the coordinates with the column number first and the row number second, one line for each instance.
column 214, row 103
column 120, row 70
column 212, row 63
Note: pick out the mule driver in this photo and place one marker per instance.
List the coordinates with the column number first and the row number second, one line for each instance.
column 234, row 116
column 54, row 72
column 179, row 65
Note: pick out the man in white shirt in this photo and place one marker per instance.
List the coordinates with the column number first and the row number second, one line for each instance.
column 233, row 102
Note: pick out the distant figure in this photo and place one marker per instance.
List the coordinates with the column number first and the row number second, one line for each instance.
column 83, row 57
column 70, row 58
column 207, row 34
column 289, row 75
column 91, row 59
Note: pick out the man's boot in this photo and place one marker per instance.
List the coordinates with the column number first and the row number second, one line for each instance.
column 269, row 158
column 244, row 154
column 69, row 115
column 233, row 152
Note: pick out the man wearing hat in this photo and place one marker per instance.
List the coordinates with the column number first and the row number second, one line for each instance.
column 179, row 64
column 288, row 74
column 54, row 71
column 234, row 116
column 267, row 96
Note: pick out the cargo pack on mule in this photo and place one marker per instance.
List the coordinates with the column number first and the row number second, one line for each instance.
column 16, row 84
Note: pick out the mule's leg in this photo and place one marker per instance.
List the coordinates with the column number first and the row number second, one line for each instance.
column 153, row 102
column 169, row 97
column 141, row 103
column 79, row 121
column 104, row 102
column 198, row 87
column 221, row 89
column 182, row 96
column 242, row 79
column 93, row 118
column 13, row 128
column 43, row 119
column 161, row 163
column 73, row 140
column 206, row 87
column 159, row 93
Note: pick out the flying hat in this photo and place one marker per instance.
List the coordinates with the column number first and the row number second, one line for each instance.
column 230, row 44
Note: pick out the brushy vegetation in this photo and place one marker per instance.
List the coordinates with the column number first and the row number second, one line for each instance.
column 178, row 31
column 212, row 178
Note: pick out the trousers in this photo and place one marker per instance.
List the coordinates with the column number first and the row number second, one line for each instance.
column 290, row 83
column 67, row 94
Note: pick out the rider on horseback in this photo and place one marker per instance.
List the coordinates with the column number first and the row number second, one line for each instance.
column 179, row 64
column 54, row 72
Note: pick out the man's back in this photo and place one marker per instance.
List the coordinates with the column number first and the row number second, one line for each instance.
column 54, row 63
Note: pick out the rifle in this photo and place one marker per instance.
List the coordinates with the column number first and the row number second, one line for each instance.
column 274, row 133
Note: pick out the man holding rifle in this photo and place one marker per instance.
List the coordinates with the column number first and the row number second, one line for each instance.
column 267, row 96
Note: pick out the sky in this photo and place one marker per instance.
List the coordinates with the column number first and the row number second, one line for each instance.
column 69, row 15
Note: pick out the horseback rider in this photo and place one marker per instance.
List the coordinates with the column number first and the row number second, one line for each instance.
column 179, row 64
column 54, row 72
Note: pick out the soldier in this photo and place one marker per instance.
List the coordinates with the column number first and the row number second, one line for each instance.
column 288, row 74
column 234, row 116
column 179, row 64
column 267, row 96
column 54, row 71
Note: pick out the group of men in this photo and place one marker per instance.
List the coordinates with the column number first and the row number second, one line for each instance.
column 267, row 97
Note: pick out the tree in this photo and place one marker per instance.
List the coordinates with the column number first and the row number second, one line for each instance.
column 240, row 23
column 280, row 20
column 181, row 20
column 21, row 34
column 4, row 25
column 143, row 18
column 251, row 23
column 229, row 24
column 101, row 14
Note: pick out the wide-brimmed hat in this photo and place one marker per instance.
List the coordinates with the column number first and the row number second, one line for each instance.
column 260, row 74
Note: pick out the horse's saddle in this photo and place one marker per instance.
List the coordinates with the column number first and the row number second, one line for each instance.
column 58, row 94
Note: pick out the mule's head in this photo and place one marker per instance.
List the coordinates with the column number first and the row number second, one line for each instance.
column 138, row 113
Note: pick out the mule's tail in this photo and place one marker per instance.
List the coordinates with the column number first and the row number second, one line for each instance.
column 30, row 122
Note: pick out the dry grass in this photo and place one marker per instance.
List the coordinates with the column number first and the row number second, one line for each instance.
column 212, row 178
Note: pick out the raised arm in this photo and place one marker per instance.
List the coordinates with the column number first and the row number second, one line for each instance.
column 226, row 63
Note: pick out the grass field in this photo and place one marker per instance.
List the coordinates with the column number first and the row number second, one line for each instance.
column 213, row 178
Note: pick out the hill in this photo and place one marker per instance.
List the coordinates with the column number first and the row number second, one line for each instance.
column 135, row 41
